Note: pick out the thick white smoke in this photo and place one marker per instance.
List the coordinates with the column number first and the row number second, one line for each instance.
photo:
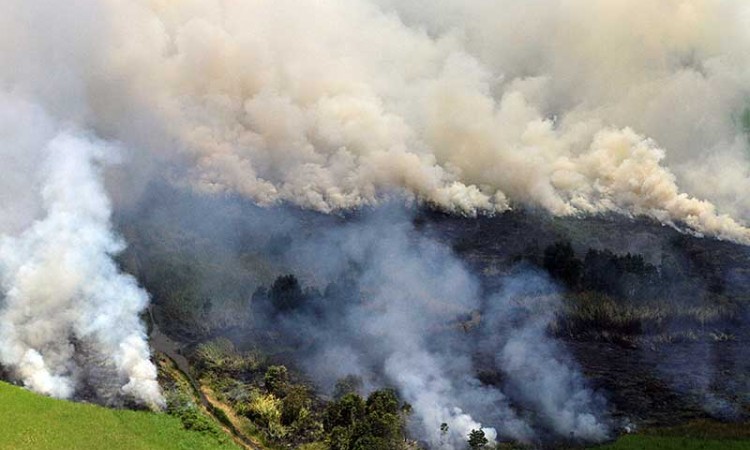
column 61, row 290
column 472, row 106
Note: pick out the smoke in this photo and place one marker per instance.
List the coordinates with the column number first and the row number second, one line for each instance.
column 634, row 107
column 470, row 106
column 388, row 304
column 61, row 290
column 539, row 371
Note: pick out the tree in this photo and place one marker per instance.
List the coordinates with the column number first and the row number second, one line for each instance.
column 384, row 401
column 292, row 405
column 372, row 443
column 286, row 294
column 561, row 263
column 344, row 413
column 276, row 380
column 443, row 432
column 477, row 439
column 356, row 424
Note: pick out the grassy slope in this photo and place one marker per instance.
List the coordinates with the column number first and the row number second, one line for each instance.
column 30, row 421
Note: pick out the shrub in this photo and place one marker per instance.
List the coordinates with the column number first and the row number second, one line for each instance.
column 295, row 401
column 276, row 380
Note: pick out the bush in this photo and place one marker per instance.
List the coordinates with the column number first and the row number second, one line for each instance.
column 264, row 409
column 295, row 401
column 183, row 406
column 219, row 355
column 276, row 380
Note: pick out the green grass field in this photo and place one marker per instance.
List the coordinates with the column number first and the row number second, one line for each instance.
column 30, row 421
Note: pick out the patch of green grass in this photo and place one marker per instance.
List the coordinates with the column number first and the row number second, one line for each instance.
column 31, row 421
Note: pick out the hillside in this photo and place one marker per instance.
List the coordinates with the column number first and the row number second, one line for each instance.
column 31, row 421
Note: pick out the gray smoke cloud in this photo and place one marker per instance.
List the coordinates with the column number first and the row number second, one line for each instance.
column 538, row 368
column 396, row 321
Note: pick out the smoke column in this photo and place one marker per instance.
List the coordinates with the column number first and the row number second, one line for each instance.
column 61, row 290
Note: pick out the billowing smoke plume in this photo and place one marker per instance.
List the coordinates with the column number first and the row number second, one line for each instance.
column 471, row 106
column 67, row 315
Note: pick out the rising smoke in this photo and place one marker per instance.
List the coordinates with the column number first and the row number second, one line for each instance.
column 62, row 290
column 473, row 107
column 389, row 313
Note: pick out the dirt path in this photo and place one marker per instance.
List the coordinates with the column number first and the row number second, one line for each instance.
column 163, row 344
column 234, row 422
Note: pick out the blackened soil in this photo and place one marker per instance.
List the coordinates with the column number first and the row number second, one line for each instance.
column 670, row 384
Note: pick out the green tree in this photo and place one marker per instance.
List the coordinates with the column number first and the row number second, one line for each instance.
column 338, row 438
column 477, row 439
column 292, row 405
column 377, row 423
column 345, row 413
column 372, row 443
column 384, row 401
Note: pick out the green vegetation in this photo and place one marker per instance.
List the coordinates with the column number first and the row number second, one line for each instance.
column 266, row 404
column 282, row 412
column 31, row 421
column 183, row 406
column 376, row 424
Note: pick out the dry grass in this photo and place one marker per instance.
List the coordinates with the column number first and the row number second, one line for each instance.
column 595, row 316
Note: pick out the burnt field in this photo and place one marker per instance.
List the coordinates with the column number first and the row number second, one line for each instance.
column 662, row 349
column 670, row 384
